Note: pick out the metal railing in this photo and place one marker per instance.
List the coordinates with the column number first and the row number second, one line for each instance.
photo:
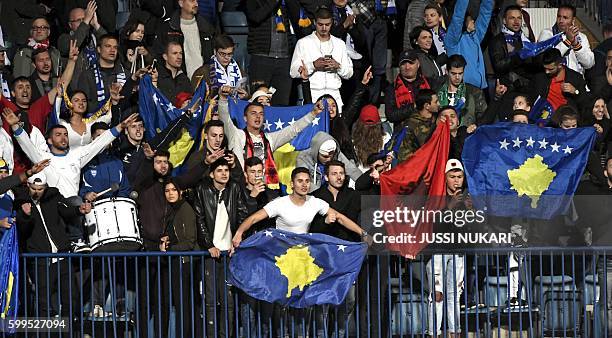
column 501, row 292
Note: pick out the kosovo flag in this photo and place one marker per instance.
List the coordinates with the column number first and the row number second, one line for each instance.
column 157, row 112
column 541, row 112
column 531, row 49
column 277, row 118
column 297, row 270
column 9, row 275
column 524, row 170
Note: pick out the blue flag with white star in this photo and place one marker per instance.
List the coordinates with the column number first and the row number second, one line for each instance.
column 531, row 49
column 158, row 112
column 524, row 170
column 277, row 118
column 297, row 270
column 9, row 276
column 541, row 112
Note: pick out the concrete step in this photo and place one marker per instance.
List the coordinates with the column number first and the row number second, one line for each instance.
column 590, row 27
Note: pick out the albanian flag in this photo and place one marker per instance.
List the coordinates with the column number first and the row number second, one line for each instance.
column 418, row 183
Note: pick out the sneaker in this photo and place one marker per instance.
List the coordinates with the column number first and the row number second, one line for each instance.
column 514, row 304
column 80, row 247
column 98, row 311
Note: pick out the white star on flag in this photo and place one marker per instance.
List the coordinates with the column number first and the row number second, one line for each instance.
column 279, row 124
column 282, row 234
column 530, row 142
column 341, row 247
column 567, row 150
column 543, row 144
column 268, row 233
column 517, row 142
column 266, row 125
column 555, row 147
column 292, row 121
column 155, row 99
column 315, row 122
column 503, row 144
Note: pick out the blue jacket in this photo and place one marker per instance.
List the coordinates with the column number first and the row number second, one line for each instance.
column 468, row 44
column 101, row 172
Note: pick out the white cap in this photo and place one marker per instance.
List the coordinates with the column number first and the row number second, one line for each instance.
column 327, row 147
column 453, row 164
column 38, row 179
column 259, row 93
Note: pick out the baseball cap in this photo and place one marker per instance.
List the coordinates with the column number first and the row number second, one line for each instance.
column 453, row 164
column 327, row 147
column 259, row 93
column 38, row 179
column 369, row 114
column 409, row 55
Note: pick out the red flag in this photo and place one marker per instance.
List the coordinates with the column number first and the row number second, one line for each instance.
column 422, row 177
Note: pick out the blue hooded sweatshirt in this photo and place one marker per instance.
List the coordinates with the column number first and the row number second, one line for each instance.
column 468, row 44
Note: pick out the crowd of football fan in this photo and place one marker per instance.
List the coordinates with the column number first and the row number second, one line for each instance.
column 459, row 63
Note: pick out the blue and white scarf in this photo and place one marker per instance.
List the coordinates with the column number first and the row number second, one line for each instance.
column 92, row 59
column 219, row 76
column 438, row 39
column 391, row 9
column 512, row 38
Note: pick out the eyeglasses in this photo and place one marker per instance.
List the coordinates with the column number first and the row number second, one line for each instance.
column 77, row 20
column 40, row 28
column 225, row 55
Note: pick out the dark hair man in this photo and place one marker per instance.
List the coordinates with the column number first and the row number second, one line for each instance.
column 219, row 206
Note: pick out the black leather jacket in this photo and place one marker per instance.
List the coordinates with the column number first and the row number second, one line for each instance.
column 512, row 71
column 205, row 206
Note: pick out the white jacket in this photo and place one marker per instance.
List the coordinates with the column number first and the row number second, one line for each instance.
column 577, row 60
column 64, row 171
column 310, row 48
column 7, row 149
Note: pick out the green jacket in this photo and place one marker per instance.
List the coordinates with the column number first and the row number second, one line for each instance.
column 474, row 104
column 418, row 131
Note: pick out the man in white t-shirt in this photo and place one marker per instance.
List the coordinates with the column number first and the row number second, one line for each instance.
column 295, row 212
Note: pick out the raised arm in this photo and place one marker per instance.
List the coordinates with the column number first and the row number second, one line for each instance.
column 279, row 138
column 73, row 55
column 228, row 126
column 88, row 152
column 351, row 109
column 28, row 147
column 453, row 34
column 484, row 17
